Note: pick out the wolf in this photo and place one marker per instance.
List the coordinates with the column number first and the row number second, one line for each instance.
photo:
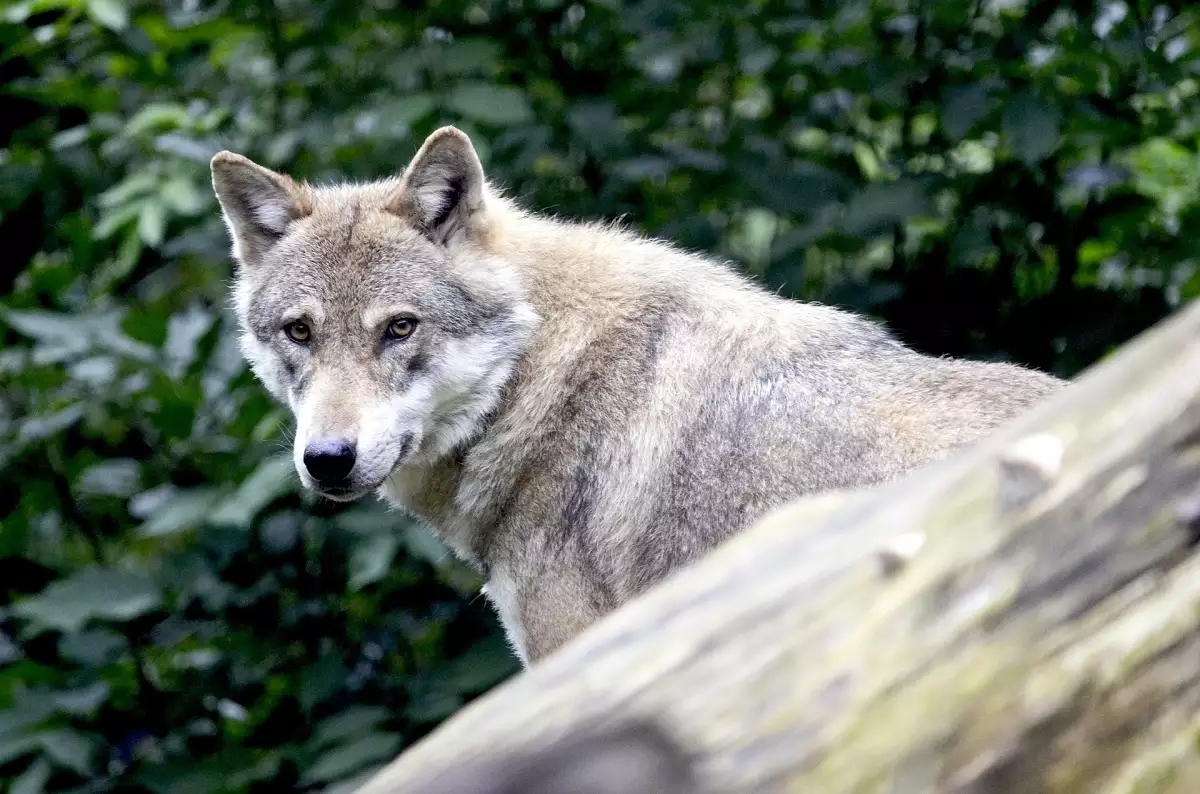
column 576, row 409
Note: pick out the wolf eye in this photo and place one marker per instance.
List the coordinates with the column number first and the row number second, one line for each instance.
column 297, row 332
column 401, row 328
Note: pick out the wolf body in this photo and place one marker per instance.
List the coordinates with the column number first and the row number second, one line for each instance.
column 576, row 410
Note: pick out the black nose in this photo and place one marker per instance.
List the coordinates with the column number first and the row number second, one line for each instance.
column 329, row 461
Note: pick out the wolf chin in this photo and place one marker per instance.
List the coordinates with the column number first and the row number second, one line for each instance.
column 576, row 410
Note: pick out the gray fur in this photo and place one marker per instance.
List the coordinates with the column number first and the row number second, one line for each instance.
column 581, row 410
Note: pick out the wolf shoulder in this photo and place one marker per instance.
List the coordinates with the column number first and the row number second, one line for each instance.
column 775, row 359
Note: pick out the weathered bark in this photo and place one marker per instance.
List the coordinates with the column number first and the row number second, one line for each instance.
column 1044, row 638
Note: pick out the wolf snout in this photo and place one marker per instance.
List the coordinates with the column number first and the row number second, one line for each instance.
column 329, row 461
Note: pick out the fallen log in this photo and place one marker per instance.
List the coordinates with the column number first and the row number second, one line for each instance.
column 1021, row 618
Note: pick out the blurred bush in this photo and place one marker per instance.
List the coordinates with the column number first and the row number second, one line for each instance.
column 1009, row 179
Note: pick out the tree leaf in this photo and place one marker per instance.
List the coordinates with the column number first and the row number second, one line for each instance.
column 25, row 714
column 274, row 477
column 152, row 222
column 13, row 747
column 798, row 189
column 322, row 680
column 33, row 780
column 371, row 558
column 70, row 749
column 877, row 208
column 483, row 665
column 181, row 194
column 47, row 326
column 347, row 759
column 424, row 545
column 349, row 723
column 185, row 329
column 1031, row 128
column 83, row 701
column 93, row 647
column 93, row 592
column 39, row 428
column 492, row 104
column 112, row 14
column 962, row 107
column 181, row 511
column 9, row 652
column 469, row 56
column 121, row 477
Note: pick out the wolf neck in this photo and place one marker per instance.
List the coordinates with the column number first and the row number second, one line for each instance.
column 597, row 291
column 592, row 269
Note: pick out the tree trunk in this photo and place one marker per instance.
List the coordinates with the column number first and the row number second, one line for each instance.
column 1023, row 617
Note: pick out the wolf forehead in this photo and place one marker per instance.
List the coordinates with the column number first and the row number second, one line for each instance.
column 351, row 256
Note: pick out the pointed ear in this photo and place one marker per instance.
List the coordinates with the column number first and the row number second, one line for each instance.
column 442, row 188
column 258, row 204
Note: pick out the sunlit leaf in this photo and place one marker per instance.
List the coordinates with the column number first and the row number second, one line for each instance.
column 273, row 478
column 113, row 14
column 184, row 331
column 181, row 511
column 93, row 592
column 115, row 477
column 152, row 223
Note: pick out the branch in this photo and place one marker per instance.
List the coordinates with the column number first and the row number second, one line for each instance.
column 1023, row 617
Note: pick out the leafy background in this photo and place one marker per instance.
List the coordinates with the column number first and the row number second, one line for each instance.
column 1007, row 179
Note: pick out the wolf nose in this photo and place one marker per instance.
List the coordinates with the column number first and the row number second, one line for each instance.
column 329, row 461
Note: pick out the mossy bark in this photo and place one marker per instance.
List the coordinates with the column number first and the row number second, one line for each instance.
column 1024, row 617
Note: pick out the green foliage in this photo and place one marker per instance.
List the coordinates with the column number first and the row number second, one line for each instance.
column 1013, row 180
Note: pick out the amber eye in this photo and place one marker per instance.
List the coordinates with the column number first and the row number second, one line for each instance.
column 401, row 328
column 297, row 332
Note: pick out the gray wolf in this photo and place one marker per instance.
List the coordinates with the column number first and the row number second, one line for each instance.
column 575, row 409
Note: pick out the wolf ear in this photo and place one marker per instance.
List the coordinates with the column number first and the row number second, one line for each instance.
column 442, row 188
column 257, row 203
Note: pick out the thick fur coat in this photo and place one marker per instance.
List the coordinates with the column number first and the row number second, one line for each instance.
column 577, row 410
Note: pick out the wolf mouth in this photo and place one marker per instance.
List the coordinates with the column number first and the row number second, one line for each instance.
column 343, row 494
column 348, row 493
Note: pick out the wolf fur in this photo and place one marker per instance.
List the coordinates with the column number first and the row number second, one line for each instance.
column 580, row 410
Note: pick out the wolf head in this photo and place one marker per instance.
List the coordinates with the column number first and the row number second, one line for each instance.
column 377, row 312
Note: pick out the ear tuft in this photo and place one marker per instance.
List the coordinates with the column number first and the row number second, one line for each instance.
column 258, row 203
column 442, row 188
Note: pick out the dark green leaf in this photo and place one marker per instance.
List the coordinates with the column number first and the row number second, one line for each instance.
column 1031, row 128
column 876, row 209
column 321, row 681
column 962, row 108
column 346, row 759
column 352, row 722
